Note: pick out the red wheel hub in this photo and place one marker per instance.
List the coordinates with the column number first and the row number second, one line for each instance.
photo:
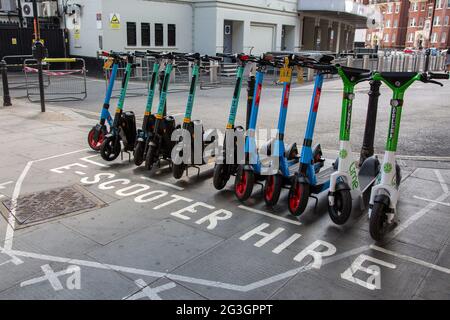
column 294, row 201
column 241, row 186
column 270, row 188
column 96, row 144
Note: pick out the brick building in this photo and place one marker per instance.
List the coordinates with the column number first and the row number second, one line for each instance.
column 411, row 24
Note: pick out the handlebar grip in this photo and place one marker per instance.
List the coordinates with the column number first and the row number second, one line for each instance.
column 140, row 54
column 443, row 76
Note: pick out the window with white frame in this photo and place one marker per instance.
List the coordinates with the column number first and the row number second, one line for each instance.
column 397, row 8
column 437, row 21
column 444, row 37
column 389, row 8
column 421, row 22
column 434, row 37
column 395, row 23
column 438, row 4
column 386, row 37
column 388, row 23
column 394, row 36
column 446, row 20
column 414, row 6
column 411, row 37
column 412, row 22
column 422, row 6
column 369, row 36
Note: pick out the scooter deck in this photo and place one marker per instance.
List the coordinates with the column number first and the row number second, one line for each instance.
column 324, row 175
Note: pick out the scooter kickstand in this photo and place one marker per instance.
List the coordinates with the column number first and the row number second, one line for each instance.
column 316, row 202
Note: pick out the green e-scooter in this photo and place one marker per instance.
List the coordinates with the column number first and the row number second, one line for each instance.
column 385, row 194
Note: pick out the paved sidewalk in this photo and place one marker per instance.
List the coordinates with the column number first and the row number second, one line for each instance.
column 144, row 235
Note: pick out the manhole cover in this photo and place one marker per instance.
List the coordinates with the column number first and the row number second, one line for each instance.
column 45, row 205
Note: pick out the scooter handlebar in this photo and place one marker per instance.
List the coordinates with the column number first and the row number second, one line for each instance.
column 443, row 76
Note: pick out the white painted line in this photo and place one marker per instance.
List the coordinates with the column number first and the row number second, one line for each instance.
column 88, row 159
column 175, row 277
column 164, row 183
column 411, row 259
column 60, row 155
column 147, row 292
column 2, row 185
column 267, row 214
column 433, row 201
column 80, row 173
column 441, row 180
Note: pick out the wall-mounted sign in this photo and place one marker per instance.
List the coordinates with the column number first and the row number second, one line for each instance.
column 99, row 21
column 114, row 21
column 14, row 41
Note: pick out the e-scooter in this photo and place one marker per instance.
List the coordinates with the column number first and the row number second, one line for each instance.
column 97, row 134
column 159, row 144
column 225, row 167
column 191, row 126
column 384, row 195
column 310, row 180
column 351, row 180
column 148, row 123
column 124, row 125
column 250, row 172
column 287, row 159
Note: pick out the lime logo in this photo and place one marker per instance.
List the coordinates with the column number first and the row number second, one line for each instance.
column 388, row 168
column 343, row 154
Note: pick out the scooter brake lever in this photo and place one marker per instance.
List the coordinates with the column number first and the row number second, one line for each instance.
column 435, row 82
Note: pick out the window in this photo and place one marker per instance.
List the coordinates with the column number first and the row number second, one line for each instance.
column 412, row 22
column 421, row 22
column 422, row 6
column 159, row 34
column 414, row 6
column 171, row 35
column 394, row 36
column 145, row 34
column 131, row 33
column 437, row 21
column 446, row 20
column 430, row 12
column 388, row 23
column 438, row 4
column 389, row 9
column 411, row 37
column 444, row 37
column 386, row 37
column 434, row 37
column 395, row 23
column 448, row 3
column 369, row 36
column 427, row 25
column 397, row 8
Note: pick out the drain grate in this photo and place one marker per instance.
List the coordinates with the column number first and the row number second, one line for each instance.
column 42, row 206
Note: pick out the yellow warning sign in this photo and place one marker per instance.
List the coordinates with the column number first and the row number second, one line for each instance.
column 77, row 34
column 114, row 21
column 108, row 63
column 14, row 41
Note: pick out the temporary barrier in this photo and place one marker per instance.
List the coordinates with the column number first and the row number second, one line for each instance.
column 63, row 84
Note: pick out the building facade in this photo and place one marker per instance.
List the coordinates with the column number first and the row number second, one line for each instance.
column 215, row 26
column 414, row 24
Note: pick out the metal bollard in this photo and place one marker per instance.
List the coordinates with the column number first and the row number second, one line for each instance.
column 366, row 62
column 6, row 96
column 310, row 76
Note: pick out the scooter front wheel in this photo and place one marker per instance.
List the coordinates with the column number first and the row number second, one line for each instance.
column 342, row 208
column 243, row 184
column 110, row 148
column 150, row 158
column 138, row 154
column 95, row 143
column 221, row 176
column 178, row 170
column 298, row 198
column 272, row 189
column 378, row 220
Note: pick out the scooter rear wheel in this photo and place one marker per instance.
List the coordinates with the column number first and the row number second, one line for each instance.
column 298, row 198
column 138, row 154
column 110, row 148
column 272, row 189
column 95, row 144
column 221, row 176
column 342, row 208
column 243, row 184
column 378, row 221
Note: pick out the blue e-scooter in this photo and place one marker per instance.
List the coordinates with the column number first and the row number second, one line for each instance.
column 250, row 172
column 310, row 179
column 97, row 134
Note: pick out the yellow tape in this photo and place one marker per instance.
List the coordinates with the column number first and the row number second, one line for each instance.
column 229, row 126
column 60, row 60
column 186, row 120
column 158, row 116
column 146, row 113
